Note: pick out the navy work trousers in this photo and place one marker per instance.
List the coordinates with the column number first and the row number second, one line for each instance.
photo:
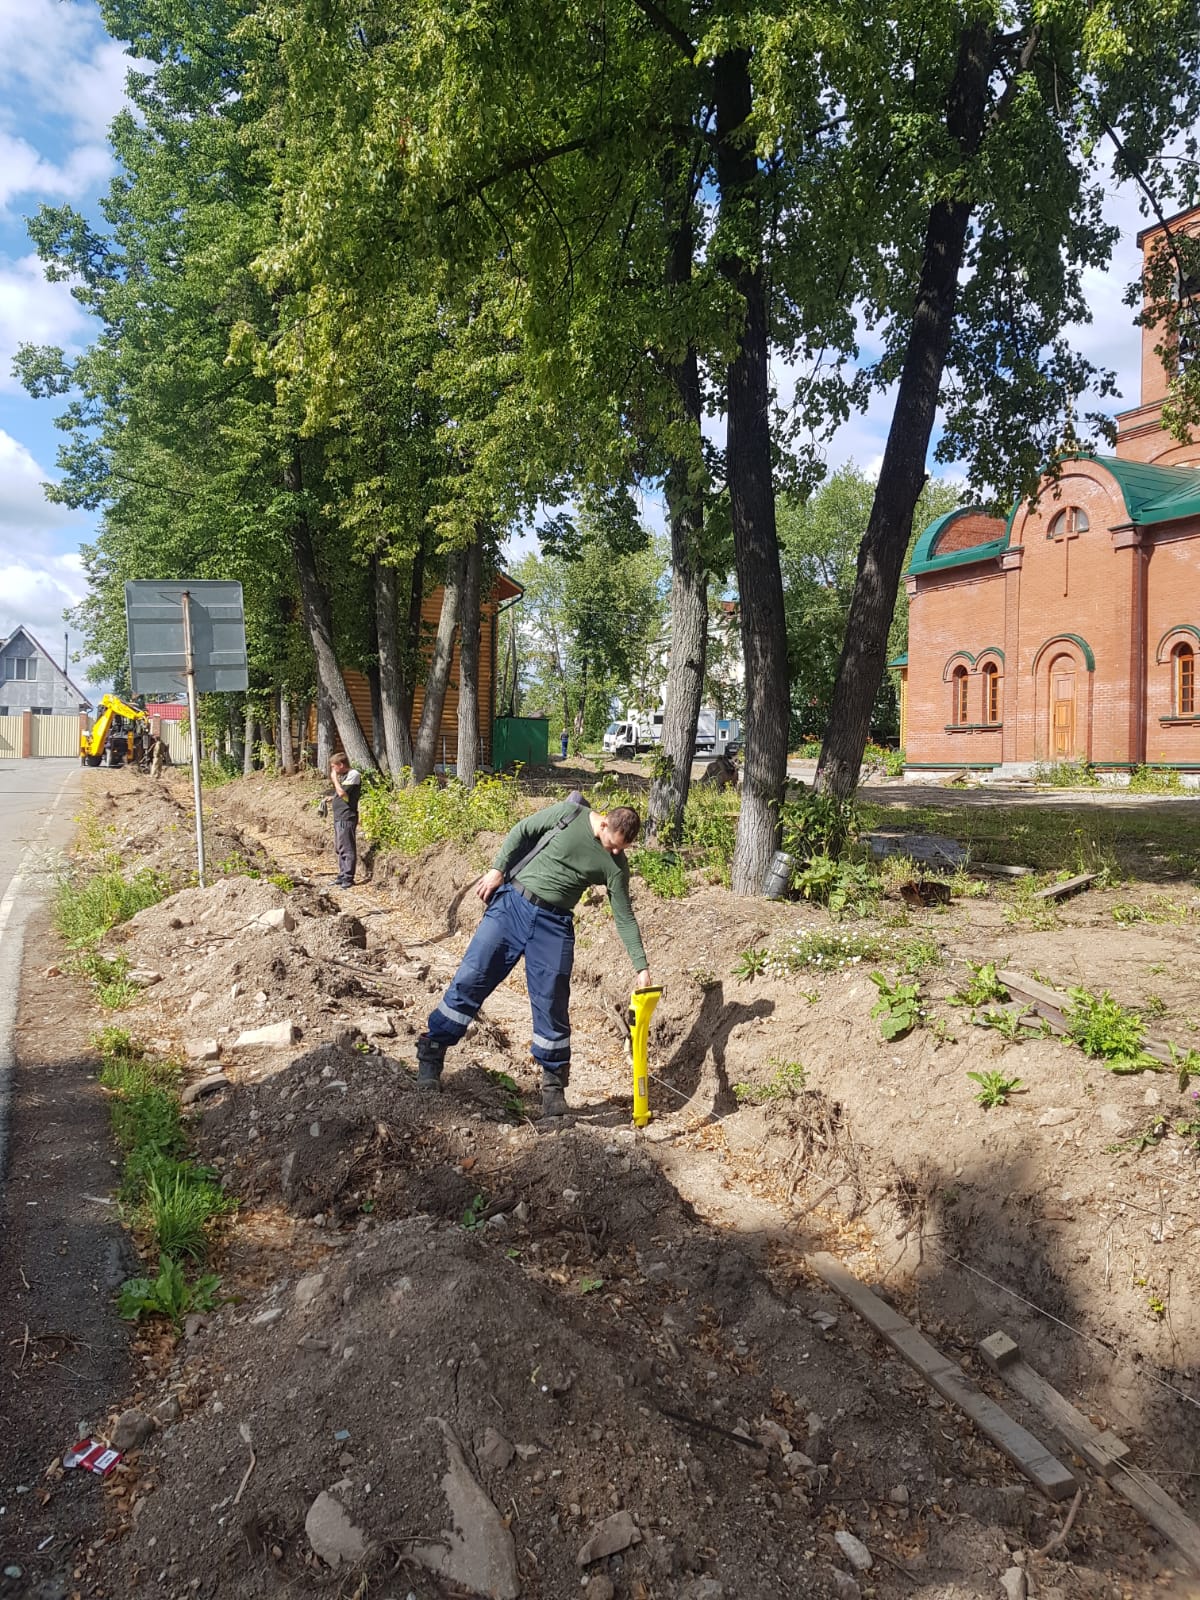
column 513, row 927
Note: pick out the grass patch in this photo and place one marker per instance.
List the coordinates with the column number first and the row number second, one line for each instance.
column 828, row 949
column 789, row 1079
column 1066, row 775
column 1155, row 780
column 87, row 907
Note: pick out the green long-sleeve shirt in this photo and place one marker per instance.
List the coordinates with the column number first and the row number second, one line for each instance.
column 572, row 860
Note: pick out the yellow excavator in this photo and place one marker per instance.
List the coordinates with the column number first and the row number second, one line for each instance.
column 116, row 735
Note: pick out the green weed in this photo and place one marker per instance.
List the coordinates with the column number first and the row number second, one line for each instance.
column 1066, row 775
column 86, row 908
column 819, row 824
column 824, row 948
column 994, row 1088
column 178, row 1207
column 663, row 873
column 1155, row 780
column 788, row 1080
column 1108, row 1032
column 751, row 963
column 472, row 1217
column 514, row 1105
column 410, row 819
column 1013, row 1025
column 841, row 885
column 168, row 1295
column 898, row 1008
column 590, row 1285
column 982, row 987
column 1186, row 1064
column 917, row 955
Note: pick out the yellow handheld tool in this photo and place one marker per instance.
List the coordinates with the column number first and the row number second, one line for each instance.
column 641, row 1008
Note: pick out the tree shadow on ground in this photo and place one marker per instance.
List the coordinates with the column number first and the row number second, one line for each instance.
column 709, row 1035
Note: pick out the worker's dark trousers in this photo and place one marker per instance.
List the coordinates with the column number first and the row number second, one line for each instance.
column 511, row 928
column 345, row 840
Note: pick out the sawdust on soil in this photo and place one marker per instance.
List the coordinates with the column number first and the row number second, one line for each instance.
column 631, row 1313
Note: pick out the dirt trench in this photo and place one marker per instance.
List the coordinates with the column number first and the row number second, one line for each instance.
column 630, row 1314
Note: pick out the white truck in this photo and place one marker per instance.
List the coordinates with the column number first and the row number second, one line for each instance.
column 636, row 732
column 717, row 736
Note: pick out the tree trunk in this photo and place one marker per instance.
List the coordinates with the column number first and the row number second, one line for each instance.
column 689, row 586
column 378, row 745
column 326, row 732
column 425, row 746
column 751, row 493
column 411, row 658
column 287, row 760
column 881, row 555
column 314, row 604
column 251, row 736
column 237, row 747
column 468, row 667
column 396, row 742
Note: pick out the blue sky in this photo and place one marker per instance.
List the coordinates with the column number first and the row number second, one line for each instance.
column 61, row 83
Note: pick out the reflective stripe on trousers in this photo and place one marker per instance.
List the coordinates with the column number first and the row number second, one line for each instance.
column 512, row 927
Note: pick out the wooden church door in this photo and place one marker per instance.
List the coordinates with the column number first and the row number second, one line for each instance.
column 1062, row 709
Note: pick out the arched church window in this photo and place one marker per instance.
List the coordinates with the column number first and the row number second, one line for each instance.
column 1184, row 659
column 1068, row 523
column 961, row 702
column 991, row 692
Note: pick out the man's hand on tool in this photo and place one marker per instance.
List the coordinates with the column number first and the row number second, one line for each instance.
column 488, row 884
column 642, row 981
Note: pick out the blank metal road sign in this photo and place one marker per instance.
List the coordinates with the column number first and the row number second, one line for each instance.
column 154, row 615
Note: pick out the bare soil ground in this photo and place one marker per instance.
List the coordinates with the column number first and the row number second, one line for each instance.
column 631, row 1313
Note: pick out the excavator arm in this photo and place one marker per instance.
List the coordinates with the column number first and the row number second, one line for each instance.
column 92, row 743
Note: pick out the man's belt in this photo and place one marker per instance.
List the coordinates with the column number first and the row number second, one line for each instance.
column 536, row 899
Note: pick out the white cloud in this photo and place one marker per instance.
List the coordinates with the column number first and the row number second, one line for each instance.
column 36, row 590
column 24, row 509
column 57, row 60
column 36, row 312
column 24, row 171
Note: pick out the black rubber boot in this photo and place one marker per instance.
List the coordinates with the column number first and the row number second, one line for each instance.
column 431, row 1058
column 554, row 1100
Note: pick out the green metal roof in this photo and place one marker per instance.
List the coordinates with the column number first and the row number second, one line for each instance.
column 899, row 661
column 1151, row 494
column 924, row 559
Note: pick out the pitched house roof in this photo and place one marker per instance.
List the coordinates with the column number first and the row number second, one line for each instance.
column 67, row 679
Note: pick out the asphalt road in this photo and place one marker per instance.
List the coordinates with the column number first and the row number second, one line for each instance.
column 38, row 800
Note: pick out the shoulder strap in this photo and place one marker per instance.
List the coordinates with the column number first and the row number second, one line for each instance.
column 575, row 799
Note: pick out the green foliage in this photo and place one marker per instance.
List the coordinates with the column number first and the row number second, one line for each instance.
column 168, row 1295
column 819, row 824
column 514, row 1105
column 917, row 955
column 662, row 871
column 178, row 1207
column 710, row 828
column 982, row 987
column 1155, row 780
column 1012, row 1024
column 1066, row 775
column 1108, row 1032
column 823, row 949
column 472, row 1217
column 840, row 885
column 751, row 963
column 1186, row 1064
column 410, row 820
column 994, row 1088
column 789, row 1079
column 898, row 1007
column 590, row 1285
column 108, row 976
column 88, row 906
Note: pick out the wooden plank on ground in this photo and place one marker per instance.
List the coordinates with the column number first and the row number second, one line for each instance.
column 1105, row 1451
column 996, row 869
column 1054, row 1005
column 1028, row 1454
column 1060, row 891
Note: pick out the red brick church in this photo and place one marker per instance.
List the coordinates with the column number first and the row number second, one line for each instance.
column 1069, row 631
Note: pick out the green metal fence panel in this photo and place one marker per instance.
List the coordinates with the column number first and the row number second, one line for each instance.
column 523, row 739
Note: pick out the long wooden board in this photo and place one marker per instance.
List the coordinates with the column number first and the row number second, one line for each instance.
column 1027, row 1453
column 1108, row 1454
